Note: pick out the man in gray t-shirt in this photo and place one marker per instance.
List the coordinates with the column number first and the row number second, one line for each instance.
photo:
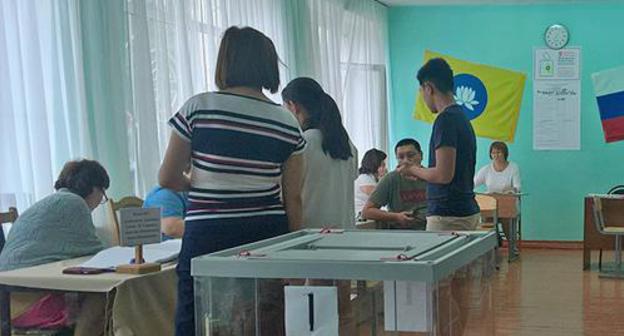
column 406, row 199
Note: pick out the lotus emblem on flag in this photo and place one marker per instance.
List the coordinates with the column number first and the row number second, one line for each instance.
column 470, row 94
column 464, row 96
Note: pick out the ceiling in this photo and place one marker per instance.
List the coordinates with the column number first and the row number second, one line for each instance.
column 471, row 2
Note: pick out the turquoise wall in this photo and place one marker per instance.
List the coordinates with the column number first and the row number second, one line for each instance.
column 504, row 36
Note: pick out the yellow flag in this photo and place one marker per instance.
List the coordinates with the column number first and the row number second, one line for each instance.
column 489, row 96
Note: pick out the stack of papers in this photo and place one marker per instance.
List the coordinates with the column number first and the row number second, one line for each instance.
column 152, row 253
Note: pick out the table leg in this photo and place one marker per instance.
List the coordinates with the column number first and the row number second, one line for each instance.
column 5, row 312
column 513, row 232
column 586, row 257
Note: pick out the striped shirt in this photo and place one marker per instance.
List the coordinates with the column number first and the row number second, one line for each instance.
column 239, row 145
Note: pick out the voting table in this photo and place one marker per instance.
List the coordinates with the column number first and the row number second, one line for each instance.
column 136, row 304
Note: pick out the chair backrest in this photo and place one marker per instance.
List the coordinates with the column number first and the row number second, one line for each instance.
column 6, row 217
column 598, row 215
column 488, row 206
column 617, row 190
column 507, row 205
column 486, row 203
column 607, row 212
column 113, row 207
column 9, row 217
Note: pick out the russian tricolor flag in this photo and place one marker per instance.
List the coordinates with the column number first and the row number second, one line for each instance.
column 609, row 89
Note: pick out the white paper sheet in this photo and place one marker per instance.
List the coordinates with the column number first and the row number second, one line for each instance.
column 406, row 306
column 557, row 115
column 557, row 99
column 152, row 253
column 323, row 321
column 139, row 226
column 563, row 64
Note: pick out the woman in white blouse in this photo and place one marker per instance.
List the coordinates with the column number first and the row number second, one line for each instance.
column 500, row 176
column 373, row 168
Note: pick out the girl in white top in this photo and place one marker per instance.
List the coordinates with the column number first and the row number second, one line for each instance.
column 330, row 159
column 500, row 176
column 373, row 168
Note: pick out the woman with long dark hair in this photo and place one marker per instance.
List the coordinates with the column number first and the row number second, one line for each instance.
column 330, row 159
column 372, row 169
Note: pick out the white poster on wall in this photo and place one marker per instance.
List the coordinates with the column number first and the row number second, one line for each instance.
column 556, row 115
column 557, row 99
column 562, row 64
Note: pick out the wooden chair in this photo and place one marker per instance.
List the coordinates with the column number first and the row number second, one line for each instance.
column 113, row 207
column 489, row 211
column 606, row 225
column 7, row 217
column 617, row 190
column 509, row 215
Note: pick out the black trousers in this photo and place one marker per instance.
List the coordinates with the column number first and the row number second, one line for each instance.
column 204, row 237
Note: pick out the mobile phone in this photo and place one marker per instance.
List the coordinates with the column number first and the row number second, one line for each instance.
column 84, row 270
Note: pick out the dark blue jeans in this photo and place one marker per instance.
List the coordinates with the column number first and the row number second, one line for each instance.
column 203, row 237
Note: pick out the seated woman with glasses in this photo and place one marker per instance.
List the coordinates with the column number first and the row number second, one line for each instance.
column 57, row 227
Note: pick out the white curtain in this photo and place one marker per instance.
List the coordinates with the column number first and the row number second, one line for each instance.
column 100, row 79
column 342, row 44
column 363, row 69
column 173, row 51
column 43, row 118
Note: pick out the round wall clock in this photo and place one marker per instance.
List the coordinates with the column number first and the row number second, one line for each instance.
column 556, row 36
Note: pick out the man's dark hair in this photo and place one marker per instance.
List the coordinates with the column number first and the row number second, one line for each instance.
column 247, row 58
column 437, row 72
column 408, row 142
column 81, row 176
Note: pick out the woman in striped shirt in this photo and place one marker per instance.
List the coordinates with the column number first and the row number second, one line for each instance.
column 246, row 177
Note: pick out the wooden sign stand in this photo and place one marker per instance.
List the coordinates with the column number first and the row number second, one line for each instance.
column 139, row 266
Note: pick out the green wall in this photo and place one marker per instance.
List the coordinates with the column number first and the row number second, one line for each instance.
column 504, row 36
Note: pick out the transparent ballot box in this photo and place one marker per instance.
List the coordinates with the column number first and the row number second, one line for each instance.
column 377, row 282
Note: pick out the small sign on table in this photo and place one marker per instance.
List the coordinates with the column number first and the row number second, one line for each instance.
column 139, row 226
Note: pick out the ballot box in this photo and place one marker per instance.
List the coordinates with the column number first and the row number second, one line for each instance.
column 341, row 282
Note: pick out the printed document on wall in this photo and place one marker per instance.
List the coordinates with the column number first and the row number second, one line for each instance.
column 556, row 115
column 556, row 99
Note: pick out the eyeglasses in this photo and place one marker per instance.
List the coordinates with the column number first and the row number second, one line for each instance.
column 104, row 197
column 408, row 155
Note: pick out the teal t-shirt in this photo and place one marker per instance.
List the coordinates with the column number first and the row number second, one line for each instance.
column 400, row 194
column 171, row 203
